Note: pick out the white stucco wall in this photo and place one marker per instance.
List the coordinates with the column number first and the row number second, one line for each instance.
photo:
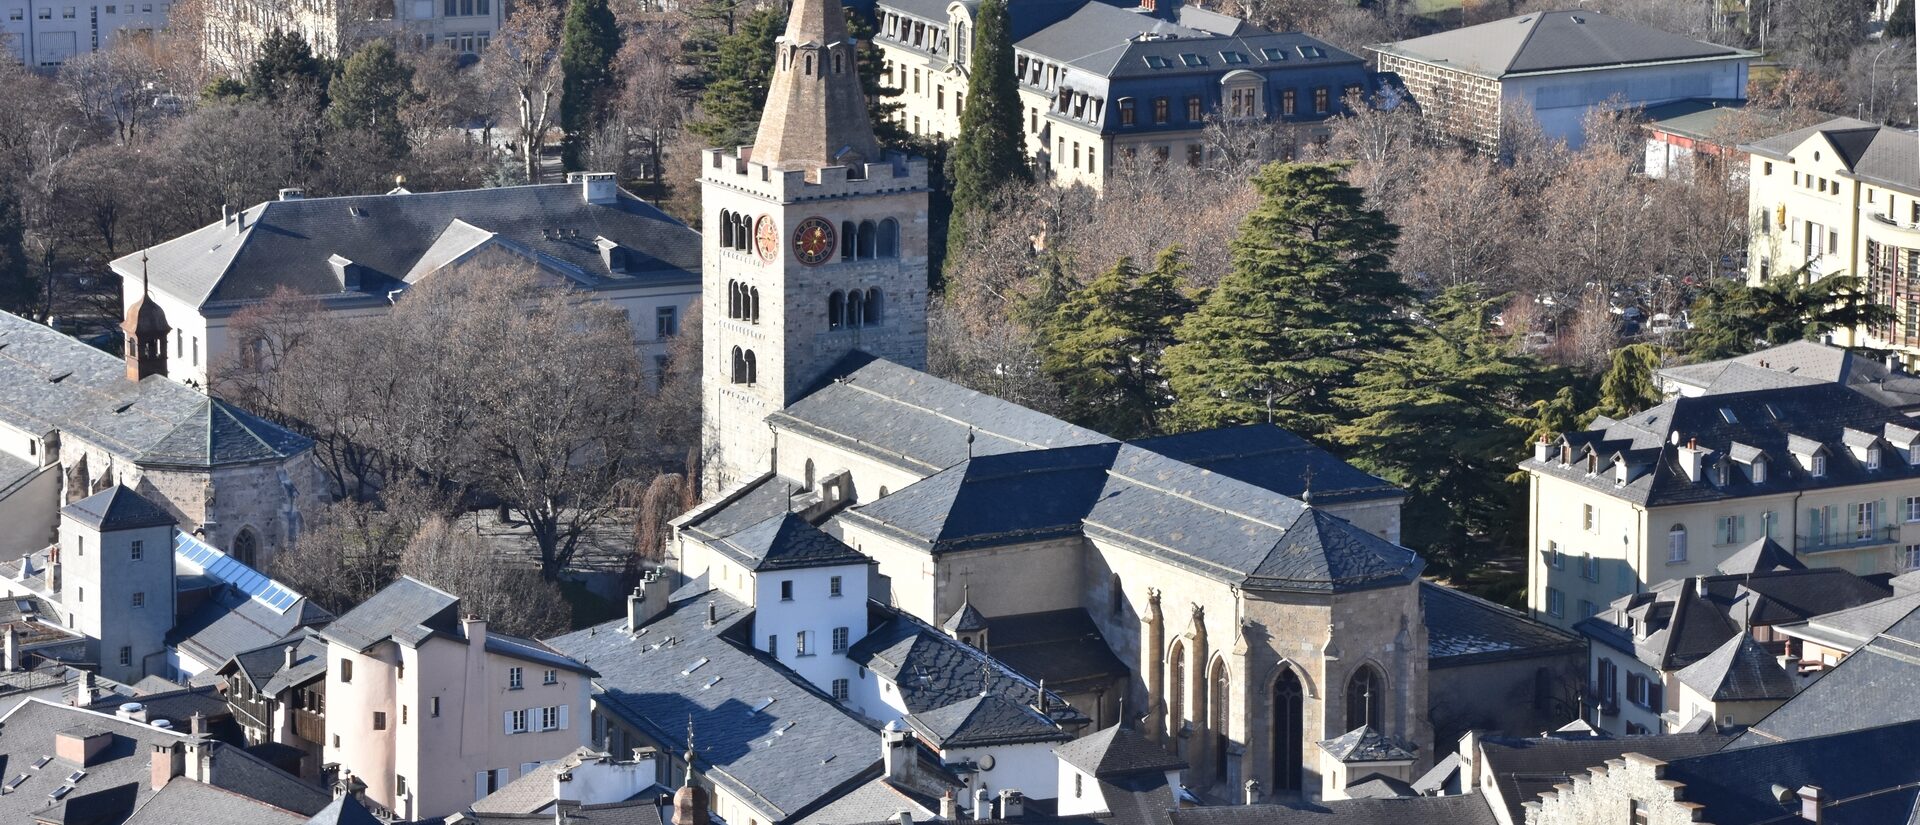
column 1561, row 100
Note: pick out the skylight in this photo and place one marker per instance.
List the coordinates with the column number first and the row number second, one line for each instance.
column 1273, row 53
column 1233, row 58
column 693, row 667
column 764, row 704
column 1311, row 52
column 1155, row 61
column 1193, row 60
column 1727, row 413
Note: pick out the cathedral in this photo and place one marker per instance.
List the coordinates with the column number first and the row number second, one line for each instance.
column 1237, row 595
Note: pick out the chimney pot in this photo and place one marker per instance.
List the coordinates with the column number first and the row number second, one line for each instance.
column 197, row 724
column 292, row 655
column 949, row 807
column 12, row 652
column 1013, row 804
column 1252, row 791
column 982, row 809
column 635, row 611
column 904, row 818
column 1810, row 799
column 292, row 194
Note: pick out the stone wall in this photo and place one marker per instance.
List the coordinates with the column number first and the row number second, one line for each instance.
column 1607, row 795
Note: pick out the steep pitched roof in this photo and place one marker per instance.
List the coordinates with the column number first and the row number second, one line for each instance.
column 1365, row 744
column 967, row 619
column 1272, row 458
column 346, row 809
column 408, row 610
column 185, row 800
column 50, row 381
column 1118, row 751
column 289, row 243
column 984, row 721
column 1555, row 41
column 1063, row 648
column 117, row 508
column 1763, row 555
column 1460, row 809
column 1525, row 768
column 788, row 542
column 1738, row 671
column 1867, row 689
column 932, row 670
column 1868, row 776
column 1464, row 629
column 815, row 120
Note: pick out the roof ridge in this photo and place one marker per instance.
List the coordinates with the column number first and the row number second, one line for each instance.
column 1538, row 18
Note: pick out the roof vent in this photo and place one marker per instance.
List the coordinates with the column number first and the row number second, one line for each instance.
column 357, row 211
column 1580, row 20
column 293, row 194
column 58, row 377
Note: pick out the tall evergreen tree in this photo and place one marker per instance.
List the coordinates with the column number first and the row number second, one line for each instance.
column 1104, row 344
column 285, row 66
column 1443, row 418
column 1900, row 20
column 1732, row 318
column 739, row 73
column 369, row 93
column 18, row 288
column 1308, row 298
column 990, row 151
column 871, row 63
column 1628, row 386
column 589, row 41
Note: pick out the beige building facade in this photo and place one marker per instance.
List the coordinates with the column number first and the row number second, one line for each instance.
column 333, row 28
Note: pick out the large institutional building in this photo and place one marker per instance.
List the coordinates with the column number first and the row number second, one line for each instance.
column 1099, row 83
column 236, row 28
column 45, row 34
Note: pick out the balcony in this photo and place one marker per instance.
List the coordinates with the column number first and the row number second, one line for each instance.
column 1850, row 539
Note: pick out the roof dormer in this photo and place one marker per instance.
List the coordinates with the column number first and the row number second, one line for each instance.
column 1811, row 455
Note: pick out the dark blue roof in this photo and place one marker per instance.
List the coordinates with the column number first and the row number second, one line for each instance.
column 788, row 542
column 1267, row 456
column 117, row 508
column 985, row 721
column 1869, row 776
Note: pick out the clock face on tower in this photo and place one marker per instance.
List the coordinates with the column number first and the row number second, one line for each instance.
column 766, row 238
column 813, row 241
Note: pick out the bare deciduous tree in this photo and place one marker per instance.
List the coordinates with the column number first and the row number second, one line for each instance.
column 513, row 600
column 523, row 62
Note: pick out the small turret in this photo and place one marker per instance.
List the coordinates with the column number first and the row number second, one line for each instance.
column 146, row 329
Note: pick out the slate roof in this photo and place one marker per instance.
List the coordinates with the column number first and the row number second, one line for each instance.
column 533, row 791
column 1555, row 41
column 1464, row 809
column 1867, row 689
column 1681, row 621
column 932, row 670
column 1850, row 628
column 1271, row 458
column 1525, row 768
column 50, row 381
column 229, row 623
column 117, row 508
column 1770, row 420
column 1116, row 752
column 407, row 611
column 1379, row 786
column 1464, row 629
column 787, row 542
column 121, row 781
column 762, row 733
column 751, row 503
column 1108, row 42
column 1739, row 671
column 1762, row 555
column 1185, row 515
column 1365, row 744
column 877, row 801
column 967, row 619
column 1063, row 648
column 984, row 721
column 344, row 810
column 186, row 801
column 392, row 238
column 1870, row 776
column 265, row 668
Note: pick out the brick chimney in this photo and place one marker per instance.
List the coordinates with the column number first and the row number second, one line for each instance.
column 167, row 762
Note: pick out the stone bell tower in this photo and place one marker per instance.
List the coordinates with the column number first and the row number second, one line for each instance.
column 816, row 247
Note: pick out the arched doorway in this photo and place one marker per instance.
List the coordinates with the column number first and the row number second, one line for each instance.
column 1220, row 725
column 1176, row 695
column 1288, row 731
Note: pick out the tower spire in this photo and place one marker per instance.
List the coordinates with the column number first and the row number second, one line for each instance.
column 146, row 331
column 816, row 113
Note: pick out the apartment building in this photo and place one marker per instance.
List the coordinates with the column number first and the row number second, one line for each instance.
column 1558, row 64
column 1843, row 197
column 432, row 712
column 1099, row 82
column 236, row 28
column 1828, row 472
column 47, row 33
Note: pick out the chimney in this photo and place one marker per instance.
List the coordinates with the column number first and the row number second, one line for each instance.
column 1040, row 698
column 226, row 215
column 1895, row 365
column 896, row 751
column 596, row 187
column 13, row 647
column 239, row 221
column 903, row 818
column 1013, row 804
column 476, row 630
column 949, row 807
column 1250, row 794
column 83, row 692
column 636, row 610
column 1690, row 455
column 199, row 761
column 982, row 808
column 166, row 763
column 197, row 724
column 1542, row 450
column 292, row 655
column 1810, row 799
column 81, row 746
column 293, row 194
column 53, row 572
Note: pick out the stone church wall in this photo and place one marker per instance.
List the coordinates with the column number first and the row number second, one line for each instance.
column 1606, row 795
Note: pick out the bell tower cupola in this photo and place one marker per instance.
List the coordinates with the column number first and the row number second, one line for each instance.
column 146, row 329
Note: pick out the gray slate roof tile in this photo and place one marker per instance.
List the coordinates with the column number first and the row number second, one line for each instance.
column 1554, row 41
column 1465, row 809
column 117, row 508
column 1116, row 752
column 1463, row 629
column 984, row 721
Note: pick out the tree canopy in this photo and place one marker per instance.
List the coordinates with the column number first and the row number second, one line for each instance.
column 739, row 73
column 589, row 40
column 368, row 94
column 286, row 65
column 1628, row 385
column 990, row 151
column 1733, row 318
column 1307, row 300
column 1104, row 342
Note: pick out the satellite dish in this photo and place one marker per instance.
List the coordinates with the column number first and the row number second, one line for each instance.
column 986, row 762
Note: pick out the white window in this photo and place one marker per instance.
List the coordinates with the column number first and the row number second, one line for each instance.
column 549, row 718
column 126, row 656
column 135, row 550
column 833, row 587
column 840, row 692
column 1589, row 567
column 516, row 721
column 1759, row 471
column 1556, row 602
column 1873, row 458
column 1677, row 544
column 514, row 679
column 1866, row 517
column 800, row 643
column 1729, row 529
column 552, row 677
column 1911, row 556
column 1819, row 466
column 1589, row 518
column 1913, row 508
column 1555, row 557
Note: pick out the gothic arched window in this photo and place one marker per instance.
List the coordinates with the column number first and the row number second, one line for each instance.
column 809, row 64
column 1288, row 730
column 739, row 366
column 837, row 66
column 836, row 309
column 733, row 299
column 726, row 229
column 743, row 234
column 1176, row 690
column 1220, row 687
column 754, row 303
column 888, row 244
column 873, row 306
column 246, row 547
column 1366, row 699
column 867, row 233
column 856, row 309
column 753, row 369
column 848, row 239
